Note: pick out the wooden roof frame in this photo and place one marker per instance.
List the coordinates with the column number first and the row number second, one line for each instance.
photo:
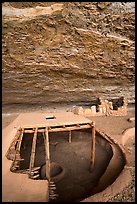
column 45, row 131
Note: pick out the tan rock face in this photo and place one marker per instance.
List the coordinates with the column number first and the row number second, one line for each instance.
column 63, row 52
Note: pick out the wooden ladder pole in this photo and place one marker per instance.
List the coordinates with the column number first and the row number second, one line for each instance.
column 93, row 139
column 47, row 157
column 33, row 149
column 47, row 154
column 70, row 139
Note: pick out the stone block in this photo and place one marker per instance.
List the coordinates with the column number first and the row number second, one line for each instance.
column 87, row 111
column 78, row 111
column 104, row 109
column 93, row 109
column 110, row 105
column 100, row 109
column 131, row 119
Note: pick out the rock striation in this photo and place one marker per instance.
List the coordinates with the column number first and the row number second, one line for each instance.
column 67, row 51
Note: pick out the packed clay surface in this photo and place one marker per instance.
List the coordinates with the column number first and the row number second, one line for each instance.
column 105, row 124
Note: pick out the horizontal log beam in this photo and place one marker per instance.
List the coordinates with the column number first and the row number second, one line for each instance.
column 61, row 129
column 104, row 136
column 70, row 128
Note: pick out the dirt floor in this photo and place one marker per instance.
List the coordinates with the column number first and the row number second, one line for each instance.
column 114, row 126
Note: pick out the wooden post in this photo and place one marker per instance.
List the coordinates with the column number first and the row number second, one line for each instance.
column 32, row 158
column 19, row 142
column 47, row 155
column 93, row 134
column 70, row 136
column 17, row 155
column 104, row 136
column 17, row 158
column 12, row 145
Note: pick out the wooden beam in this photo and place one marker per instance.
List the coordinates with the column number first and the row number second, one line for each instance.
column 47, row 156
column 46, row 142
column 93, row 139
column 17, row 154
column 104, row 136
column 61, row 129
column 31, row 131
column 16, row 162
column 70, row 128
column 70, row 136
column 32, row 158
column 19, row 141
column 12, row 145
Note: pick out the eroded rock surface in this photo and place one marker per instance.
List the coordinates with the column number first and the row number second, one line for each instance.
column 63, row 52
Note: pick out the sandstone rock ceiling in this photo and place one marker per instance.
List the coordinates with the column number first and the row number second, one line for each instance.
column 67, row 52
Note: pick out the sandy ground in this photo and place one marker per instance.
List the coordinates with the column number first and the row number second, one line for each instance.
column 114, row 126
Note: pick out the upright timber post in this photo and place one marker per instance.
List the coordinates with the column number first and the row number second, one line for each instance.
column 93, row 139
column 47, row 156
column 32, row 158
column 17, row 158
column 70, row 136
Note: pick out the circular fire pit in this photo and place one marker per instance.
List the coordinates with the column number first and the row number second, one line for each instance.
column 56, row 172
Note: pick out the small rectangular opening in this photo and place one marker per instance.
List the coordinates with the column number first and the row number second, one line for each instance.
column 50, row 117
